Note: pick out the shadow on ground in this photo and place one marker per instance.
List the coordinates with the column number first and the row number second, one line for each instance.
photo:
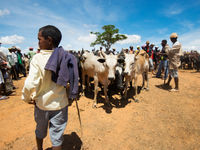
column 163, row 87
column 71, row 142
column 117, row 102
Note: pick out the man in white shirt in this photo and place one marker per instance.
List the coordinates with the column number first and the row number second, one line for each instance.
column 15, row 59
column 174, row 54
column 12, row 63
column 50, row 99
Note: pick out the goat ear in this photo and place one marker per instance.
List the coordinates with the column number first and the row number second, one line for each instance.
column 101, row 60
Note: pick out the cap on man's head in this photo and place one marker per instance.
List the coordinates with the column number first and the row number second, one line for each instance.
column 174, row 35
column 147, row 42
column 31, row 48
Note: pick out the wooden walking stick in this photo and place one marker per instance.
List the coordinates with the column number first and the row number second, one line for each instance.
column 79, row 116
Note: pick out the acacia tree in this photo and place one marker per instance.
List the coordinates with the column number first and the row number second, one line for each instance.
column 108, row 37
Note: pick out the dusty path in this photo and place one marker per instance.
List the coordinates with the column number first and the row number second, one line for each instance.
column 160, row 121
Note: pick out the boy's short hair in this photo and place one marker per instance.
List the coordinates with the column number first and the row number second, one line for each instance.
column 52, row 32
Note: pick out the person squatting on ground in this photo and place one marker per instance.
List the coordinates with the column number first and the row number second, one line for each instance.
column 163, row 60
column 174, row 54
column 50, row 72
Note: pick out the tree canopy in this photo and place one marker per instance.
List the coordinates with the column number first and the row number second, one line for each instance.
column 108, row 37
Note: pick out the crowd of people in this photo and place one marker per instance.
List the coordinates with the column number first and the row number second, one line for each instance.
column 13, row 66
column 190, row 60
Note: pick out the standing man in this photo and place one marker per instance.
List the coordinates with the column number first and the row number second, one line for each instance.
column 151, row 55
column 137, row 50
column 155, row 57
column 20, row 63
column 174, row 61
column 131, row 51
column 31, row 53
column 12, row 64
column 163, row 60
column 147, row 46
column 45, row 86
column 15, row 58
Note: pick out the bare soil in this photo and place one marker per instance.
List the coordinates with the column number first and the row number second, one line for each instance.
column 161, row 120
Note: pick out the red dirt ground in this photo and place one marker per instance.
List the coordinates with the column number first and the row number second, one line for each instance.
column 160, row 121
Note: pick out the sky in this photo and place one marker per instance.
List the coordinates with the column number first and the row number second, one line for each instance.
column 139, row 20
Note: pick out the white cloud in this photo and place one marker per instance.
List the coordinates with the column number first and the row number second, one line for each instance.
column 90, row 26
column 4, row 50
column 4, row 12
column 13, row 39
column 190, row 40
column 85, row 41
column 186, row 24
column 173, row 9
column 88, row 39
column 131, row 39
column 175, row 12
